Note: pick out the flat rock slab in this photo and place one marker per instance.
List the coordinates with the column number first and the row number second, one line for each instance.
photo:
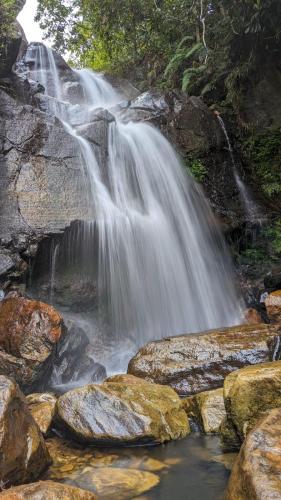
column 199, row 362
column 47, row 490
column 120, row 413
column 257, row 471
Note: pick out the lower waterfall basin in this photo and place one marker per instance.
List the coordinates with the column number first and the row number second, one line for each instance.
column 193, row 468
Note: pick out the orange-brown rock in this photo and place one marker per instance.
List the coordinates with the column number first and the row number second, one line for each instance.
column 249, row 394
column 23, row 453
column 47, row 490
column 252, row 316
column 200, row 362
column 29, row 334
column 256, row 474
column 273, row 306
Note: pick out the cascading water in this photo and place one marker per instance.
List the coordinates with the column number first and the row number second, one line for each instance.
column 251, row 209
column 161, row 263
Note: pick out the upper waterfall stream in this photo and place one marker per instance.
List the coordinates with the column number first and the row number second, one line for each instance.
column 162, row 266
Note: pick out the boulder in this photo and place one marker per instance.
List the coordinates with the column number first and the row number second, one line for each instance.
column 252, row 316
column 249, row 393
column 23, row 453
column 256, row 473
column 198, row 362
column 42, row 407
column 273, row 306
column 75, row 361
column 118, row 413
column 125, row 378
column 206, row 410
column 47, row 490
column 30, row 332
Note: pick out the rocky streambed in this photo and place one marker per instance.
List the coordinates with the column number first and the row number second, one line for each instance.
column 157, row 432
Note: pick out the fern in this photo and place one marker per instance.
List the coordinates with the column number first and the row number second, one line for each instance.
column 181, row 55
column 188, row 74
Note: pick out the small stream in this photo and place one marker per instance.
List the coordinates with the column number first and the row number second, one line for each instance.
column 192, row 468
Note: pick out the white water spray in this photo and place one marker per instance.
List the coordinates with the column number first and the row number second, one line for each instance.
column 162, row 266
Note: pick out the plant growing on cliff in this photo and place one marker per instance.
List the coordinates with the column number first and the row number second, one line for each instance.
column 264, row 153
column 196, row 168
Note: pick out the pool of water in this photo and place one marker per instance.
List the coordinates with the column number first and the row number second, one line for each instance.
column 193, row 468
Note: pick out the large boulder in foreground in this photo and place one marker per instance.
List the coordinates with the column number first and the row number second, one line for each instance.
column 117, row 413
column 249, row 394
column 30, row 332
column 200, row 362
column 256, row 474
column 23, row 453
column 47, row 490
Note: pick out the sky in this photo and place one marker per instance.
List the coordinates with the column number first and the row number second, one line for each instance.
column 26, row 19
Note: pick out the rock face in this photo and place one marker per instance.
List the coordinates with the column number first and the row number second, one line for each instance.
column 30, row 332
column 273, row 306
column 257, row 471
column 42, row 408
column 48, row 490
column 250, row 393
column 206, row 410
column 23, row 454
column 123, row 413
column 199, row 362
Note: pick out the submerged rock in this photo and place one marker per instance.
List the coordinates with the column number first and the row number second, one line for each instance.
column 30, row 332
column 206, row 410
column 42, row 407
column 115, row 413
column 198, row 362
column 49, row 490
column 257, row 471
column 249, row 394
column 23, row 453
column 119, row 484
column 273, row 306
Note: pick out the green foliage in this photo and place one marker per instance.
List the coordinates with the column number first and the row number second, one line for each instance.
column 166, row 42
column 196, row 168
column 265, row 249
column 273, row 235
column 8, row 13
column 264, row 153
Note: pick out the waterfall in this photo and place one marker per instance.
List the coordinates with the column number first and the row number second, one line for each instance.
column 251, row 209
column 162, row 265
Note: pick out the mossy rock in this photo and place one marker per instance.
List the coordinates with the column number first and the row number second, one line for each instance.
column 249, row 394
